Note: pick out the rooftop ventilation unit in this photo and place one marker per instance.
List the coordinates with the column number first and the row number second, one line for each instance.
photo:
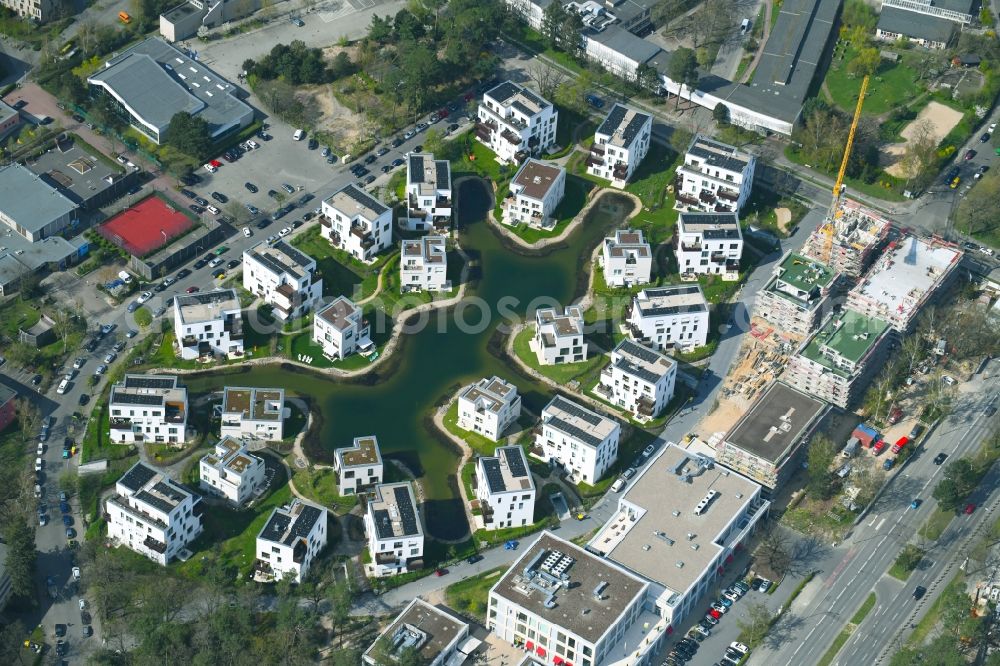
column 703, row 504
column 663, row 535
column 676, row 513
column 599, row 590
column 679, row 564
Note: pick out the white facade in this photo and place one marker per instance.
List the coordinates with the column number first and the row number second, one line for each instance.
column 433, row 635
column 358, row 467
column 515, row 123
column 669, row 316
column 583, row 442
column 428, row 193
column 709, row 244
column 231, row 471
column 423, row 265
column 559, row 337
column 340, row 329
column 152, row 514
column 356, row 222
column 290, row 540
column 619, row 51
column 148, row 408
column 394, row 530
column 638, row 379
column 535, row 191
column 40, row 10
column 531, row 12
column 208, row 323
column 620, row 144
column 284, row 277
column 488, row 407
column 253, row 413
column 715, row 177
column 627, row 259
column 505, row 489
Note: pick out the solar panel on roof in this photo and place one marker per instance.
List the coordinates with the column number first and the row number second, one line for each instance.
column 362, row 198
column 494, row 477
column 275, row 265
column 442, row 174
column 303, row 524
column 382, row 524
column 613, row 120
column 407, row 513
column 147, row 381
column 276, row 526
column 515, row 461
column 633, row 127
column 136, row 399
column 579, row 412
column 137, row 477
column 574, row 431
column 292, row 253
column 504, row 91
column 629, row 347
column 152, row 500
column 417, row 168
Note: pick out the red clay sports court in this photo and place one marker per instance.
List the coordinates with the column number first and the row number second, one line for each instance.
column 146, row 226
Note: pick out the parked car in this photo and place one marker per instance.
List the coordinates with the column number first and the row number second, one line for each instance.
column 474, row 558
column 919, row 591
column 895, row 415
column 193, row 289
column 915, row 504
column 251, row 187
column 940, row 458
column 220, row 197
column 510, row 545
column 110, row 357
column 969, row 154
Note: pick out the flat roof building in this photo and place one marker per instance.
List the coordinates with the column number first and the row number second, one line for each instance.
column 797, row 297
column 559, row 337
column 672, row 316
column 148, row 408
column 209, row 322
column 423, row 264
column 86, row 180
column 709, row 244
column 714, row 178
column 425, row 630
column 582, row 441
column 626, row 258
column 358, row 467
column 289, row 541
column 356, row 222
column 253, row 413
column 851, row 241
column 428, row 193
column 638, row 379
column 283, row 277
column 488, row 407
column 232, row 472
column 505, row 489
column 515, row 123
column 32, row 207
column 535, row 192
column 394, row 529
column 621, row 143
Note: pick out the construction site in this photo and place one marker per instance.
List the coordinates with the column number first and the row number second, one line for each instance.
column 849, row 238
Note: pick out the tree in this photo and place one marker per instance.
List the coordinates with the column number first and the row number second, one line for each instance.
column 683, row 70
column 959, row 479
column 909, row 557
column 721, row 114
column 12, row 636
column 380, row 29
column 822, row 451
column 548, row 79
column 20, row 563
column 143, row 317
column 189, row 134
column 434, row 142
column 553, row 18
column 340, row 596
column 647, row 78
column 237, row 211
column 978, row 212
column 912, row 351
column 30, row 287
column 865, row 63
column 920, row 158
column 755, row 624
column 773, row 549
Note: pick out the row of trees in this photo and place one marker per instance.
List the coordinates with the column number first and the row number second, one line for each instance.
column 299, row 64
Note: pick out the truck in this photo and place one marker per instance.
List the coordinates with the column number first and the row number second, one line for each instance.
column 878, row 447
column 865, row 434
column 851, row 449
column 900, row 443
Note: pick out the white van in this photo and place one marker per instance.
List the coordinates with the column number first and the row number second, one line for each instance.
column 63, row 385
column 125, row 276
column 299, row 135
column 617, row 486
column 745, row 26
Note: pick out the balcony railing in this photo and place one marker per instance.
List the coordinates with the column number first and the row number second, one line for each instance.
column 687, row 200
column 234, row 327
column 595, row 161
column 511, row 138
column 119, row 423
column 325, row 222
column 706, row 196
column 155, row 545
column 189, row 341
column 645, row 406
column 620, row 170
column 728, row 195
column 363, row 236
column 692, row 247
column 597, row 150
column 386, row 558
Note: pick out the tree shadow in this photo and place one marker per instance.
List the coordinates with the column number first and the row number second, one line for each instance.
column 805, row 553
column 783, row 631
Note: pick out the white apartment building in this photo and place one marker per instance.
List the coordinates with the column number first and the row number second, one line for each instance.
column 208, row 323
column 284, row 277
column 583, row 442
column 289, row 542
column 358, row 467
column 152, row 514
column 564, row 605
column 39, row 10
column 395, row 532
column 675, row 316
column 423, row 265
column 356, row 222
column 505, row 489
column 488, row 407
column 559, row 337
column 231, row 471
column 638, row 379
column 515, row 123
column 626, row 258
column 148, row 408
column 340, row 329
column 709, row 244
column 253, row 413
column 436, row 637
column 715, row 177
column 535, row 192
column 428, row 193
column 620, row 144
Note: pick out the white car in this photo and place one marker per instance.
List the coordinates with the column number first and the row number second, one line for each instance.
column 83, row 604
column 988, row 251
column 78, row 363
column 993, row 126
column 215, row 262
column 76, row 573
column 739, row 647
column 247, row 232
column 285, row 231
column 41, row 449
column 63, row 385
column 101, row 369
column 211, row 169
column 252, row 145
column 110, row 358
column 144, row 296
column 299, row 135
column 38, row 464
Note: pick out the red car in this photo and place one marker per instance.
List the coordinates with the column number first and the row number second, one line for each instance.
column 714, row 613
column 216, row 163
column 192, row 290
column 895, row 415
column 879, row 447
column 969, row 155
column 969, row 508
column 442, row 113
column 440, row 572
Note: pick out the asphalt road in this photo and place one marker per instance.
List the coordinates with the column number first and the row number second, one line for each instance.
column 805, row 633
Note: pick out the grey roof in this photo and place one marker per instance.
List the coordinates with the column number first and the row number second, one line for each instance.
column 624, row 42
column 776, row 422
column 77, row 173
column 6, row 394
column 156, row 81
column 963, row 6
column 6, row 111
column 30, row 201
column 917, row 26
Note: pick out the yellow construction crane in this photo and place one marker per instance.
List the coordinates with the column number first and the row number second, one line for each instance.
column 838, row 187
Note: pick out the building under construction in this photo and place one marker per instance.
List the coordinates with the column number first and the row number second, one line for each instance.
column 847, row 241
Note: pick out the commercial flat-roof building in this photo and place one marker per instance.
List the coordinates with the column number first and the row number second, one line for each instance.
column 925, row 22
column 148, row 408
column 423, row 264
column 356, row 222
column 283, row 277
column 515, row 123
column 617, row 50
column 359, row 466
column 797, row 297
column 626, row 258
column 208, row 323
column 767, row 443
column 152, row 81
column 434, row 636
column 505, row 489
column 488, row 407
column 289, row 541
column 673, row 316
column 428, row 193
column 904, row 279
column 709, row 244
column 582, row 441
column 839, row 360
column 394, row 530
column 32, row 207
column 559, row 337
column 715, row 177
column 21, row 257
column 620, row 144
column 678, row 526
column 253, row 413
column 185, row 20
column 638, row 379
column 341, row 330
column 231, row 471
column 10, row 119
column 535, row 192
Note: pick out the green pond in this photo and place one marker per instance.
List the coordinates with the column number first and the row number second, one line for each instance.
column 396, row 402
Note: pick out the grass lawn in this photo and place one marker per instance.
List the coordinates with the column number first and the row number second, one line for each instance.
column 989, row 237
column 570, row 123
column 895, row 84
column 884, row 187
column 481, row 445
column 936, row 524
column 573, row 202
column 320, row 485
column 303, row 344
column 342, row 274
column 470, row 595
column 563, row 373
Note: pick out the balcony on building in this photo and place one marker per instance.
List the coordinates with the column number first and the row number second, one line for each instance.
column 154, row 545
column 594, row 161
column 325, row 221
column 173, row 412
column 728, row 195
column 120, row 423
column 234, row 327
column 620, row 171
column 386, row 559
column 645, row 406
column 511, row 137
column 597, row 150
column 706, row 196
column 363, row 235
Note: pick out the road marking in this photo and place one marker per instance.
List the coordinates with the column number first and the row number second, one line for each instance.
column 874, row 518
column 881, row 523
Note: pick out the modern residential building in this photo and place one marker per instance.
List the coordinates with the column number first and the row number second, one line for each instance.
column 435, row 637
column 356, row 222
column 769, row 440
column 8, row 400
column 283, row 277
column 662, row 317
column 626, row 258
column 709, row 244
column 798, row 295
column 208, row 323
column 565, row 605
column 152, row 514
column 559, row 337
column 152, row 81
column 904, row 279
column 185, row 20
column 39, row 10
column 505, row 489
column 488, row 407
column 515, row 123
column 837, row 362
column 715, row 177
column 620, row 144
column 583, row 442
column 929, row 23
column 253, row 413
column 290, row 540
column 232, row 472
column 394, row 529
column 638, row 379
column 148, row 408
column 358, row 467
column 679, row 526
column 423, row 265
column 535, row 192
column 340, row 329
column 428, row 193
column 850, row 239
column 32, row 207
